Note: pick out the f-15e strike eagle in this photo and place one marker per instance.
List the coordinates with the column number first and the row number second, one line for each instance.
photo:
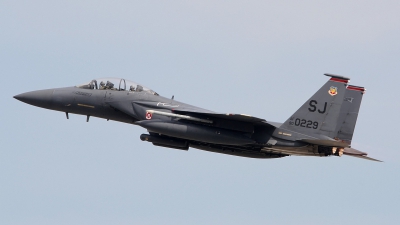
column 322, row 126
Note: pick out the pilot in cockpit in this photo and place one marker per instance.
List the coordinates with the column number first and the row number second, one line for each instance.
column 102, row 86
column 110, row 85
column 131, row 88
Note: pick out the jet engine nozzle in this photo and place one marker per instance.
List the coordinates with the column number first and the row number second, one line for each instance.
column 337, row 151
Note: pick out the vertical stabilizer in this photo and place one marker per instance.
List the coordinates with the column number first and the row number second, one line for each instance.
column 319, row 114
column 349, row 113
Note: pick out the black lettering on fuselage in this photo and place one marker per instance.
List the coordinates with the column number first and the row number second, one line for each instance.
column 313, row 107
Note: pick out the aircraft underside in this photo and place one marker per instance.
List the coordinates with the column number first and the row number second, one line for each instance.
column 249, row 151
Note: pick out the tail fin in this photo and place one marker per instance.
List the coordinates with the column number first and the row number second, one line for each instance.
column 349, row 113
column 319, row 114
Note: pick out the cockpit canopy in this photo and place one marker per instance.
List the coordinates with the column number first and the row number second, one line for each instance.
column 116, row 84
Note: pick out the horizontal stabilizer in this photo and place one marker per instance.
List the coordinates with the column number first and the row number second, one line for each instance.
column 364, row 157
column 352, row 151
column 359, row 154
column 330, row 143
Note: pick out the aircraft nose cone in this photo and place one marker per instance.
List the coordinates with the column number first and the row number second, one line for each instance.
column 42, row 98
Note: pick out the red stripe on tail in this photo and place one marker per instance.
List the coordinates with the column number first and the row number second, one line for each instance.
column 339, row 80
column 356, row 88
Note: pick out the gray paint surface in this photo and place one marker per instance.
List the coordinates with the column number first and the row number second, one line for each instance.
column 252, row 57
column 310, row 131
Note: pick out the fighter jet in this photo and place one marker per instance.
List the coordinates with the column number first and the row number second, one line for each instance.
column 323, row 126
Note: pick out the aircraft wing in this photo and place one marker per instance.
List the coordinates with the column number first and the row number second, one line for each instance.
column 226, row 116
column 204, row 114
column 239, row 122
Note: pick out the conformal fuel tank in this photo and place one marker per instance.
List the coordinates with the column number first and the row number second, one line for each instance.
column 196, row 132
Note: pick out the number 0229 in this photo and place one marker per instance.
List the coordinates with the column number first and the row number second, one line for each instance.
column 306, row 123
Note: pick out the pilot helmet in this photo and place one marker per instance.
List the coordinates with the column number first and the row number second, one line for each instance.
column 109, row 84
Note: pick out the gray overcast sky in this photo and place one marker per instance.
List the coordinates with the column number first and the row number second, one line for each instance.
column 263, row 58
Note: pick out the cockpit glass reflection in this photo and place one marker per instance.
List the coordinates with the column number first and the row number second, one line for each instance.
column 115, row 84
